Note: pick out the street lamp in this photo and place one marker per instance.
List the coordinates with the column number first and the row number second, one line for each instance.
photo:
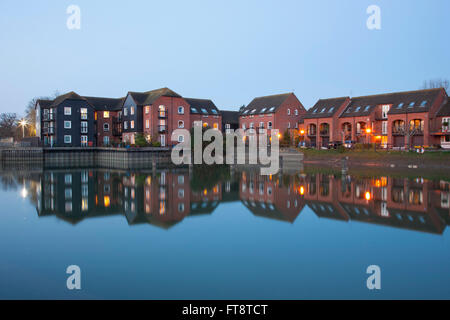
column 23, row 123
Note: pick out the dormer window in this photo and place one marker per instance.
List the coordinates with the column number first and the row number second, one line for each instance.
column 424, row 103
column 331, row 109
column 204, row 111
column 400, row 105
column 411, row 104
column 357, row 109
column 366, row 108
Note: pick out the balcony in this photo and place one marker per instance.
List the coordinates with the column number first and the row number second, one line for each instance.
column 398, row 131
column 162, row 129
column 48, row 130
column 49, row 117
column 84, row 130
column 162, row 114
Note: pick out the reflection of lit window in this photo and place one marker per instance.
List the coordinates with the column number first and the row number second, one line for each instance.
column 84, row 204
column 107, row 201
column 162, row 207
column 68, row 193
column 216, row 189
column 147, row 208
column 133, row 193
column 106, row 114
column 68, row 206
column 133, row 207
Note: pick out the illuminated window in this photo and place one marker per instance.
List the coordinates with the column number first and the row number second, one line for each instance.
column 132, row 124
column 106, row 114
column 147, row 110
column 83, row 113
column 107, row 201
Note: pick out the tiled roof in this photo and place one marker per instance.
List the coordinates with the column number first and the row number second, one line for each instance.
column 445, row 110
column 230, row 116
column 409, row 101
column 325, row 108
column 147, row 98
column 105, row 104
column 202, row 106
column 68, row 96
column 44, row 103
column 263, row 105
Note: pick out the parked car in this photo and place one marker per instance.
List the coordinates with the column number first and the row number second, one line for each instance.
column 349, row 144
column 334, row 145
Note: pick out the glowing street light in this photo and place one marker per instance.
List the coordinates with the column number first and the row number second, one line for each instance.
column 23, row 123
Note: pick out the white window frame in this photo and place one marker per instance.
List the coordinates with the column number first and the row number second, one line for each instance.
column 67, row 141
column 180, row 110
column 69, row 123
column 106, row 127
column 67, row 111
column 180, row 124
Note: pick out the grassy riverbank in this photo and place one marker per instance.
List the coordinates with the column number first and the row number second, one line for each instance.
column 435, row 159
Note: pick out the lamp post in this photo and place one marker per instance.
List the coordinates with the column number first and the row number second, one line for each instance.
column 23, row 123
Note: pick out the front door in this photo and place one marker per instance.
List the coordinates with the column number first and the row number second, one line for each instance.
column 163, row 140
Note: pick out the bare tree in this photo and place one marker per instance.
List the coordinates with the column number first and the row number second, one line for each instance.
column 30, row 112
column 8, row 125
column 436, row 83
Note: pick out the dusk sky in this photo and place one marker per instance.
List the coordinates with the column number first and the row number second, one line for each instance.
column 227, row 51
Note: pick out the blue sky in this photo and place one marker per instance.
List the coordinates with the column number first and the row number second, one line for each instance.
column 228, row 51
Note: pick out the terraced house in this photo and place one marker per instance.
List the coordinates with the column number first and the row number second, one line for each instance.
column 397, row 120
column 282, row 112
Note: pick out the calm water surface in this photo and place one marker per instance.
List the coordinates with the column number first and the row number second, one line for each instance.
column 221, row 234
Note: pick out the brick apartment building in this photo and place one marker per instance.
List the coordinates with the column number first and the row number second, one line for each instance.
column 282, row 112
column 204, row 113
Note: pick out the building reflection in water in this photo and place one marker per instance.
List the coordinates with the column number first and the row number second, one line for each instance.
column 166, row 198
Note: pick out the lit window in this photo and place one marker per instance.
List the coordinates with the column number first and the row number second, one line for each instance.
column 147, row 110
column 132, row 110
column 83, row 113
column 106, row 114
column 132, row 124
column 147, row 124
column 215, row 126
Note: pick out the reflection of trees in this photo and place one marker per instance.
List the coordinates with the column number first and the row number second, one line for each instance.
column 206, row 177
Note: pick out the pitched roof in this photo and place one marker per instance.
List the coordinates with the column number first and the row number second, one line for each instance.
column 263, row 105
column 68, row 96
column 202, row 106
column 147, row 98
column 325, row 108
column 408, row 101
column 230, row 116
column 360, row 107
column 445, row 110
column 105, row 104
column 44, row 103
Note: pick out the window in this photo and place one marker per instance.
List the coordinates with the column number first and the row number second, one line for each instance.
column 132, row 110
column 180, row 138
column 263, row 110
column 181, row 193
column 194, row 110
column 180, row 179
column 204, row 111
column 147, row 124
column 181, row 124
column 227, row 126
column 106, row 140
column 125, row 125
column 261, row 125
column 106, row 127
column 125, row 111
column 400, row 105
column 67, row 139
column 411, row 104
column 289, row 125
column 214, row 111
column 68, row 179
column 315, row 110
column 296, row 112
column 132, row 124
column 180, row 110
column 67, row 111
column 84, row 127
column 83, row 113
column 269, row 125
column 424, row 103
column 243, row 126
column 106, row 114
column 216, row 125
column 331, row 109
column 323, row 110
column 67, row 124
column 289, row 112
column 147, row 110
column 366, row 108
column 68, row 193
column 357, row 109
column 384, row 127
column 84, row 141
column 384, row 112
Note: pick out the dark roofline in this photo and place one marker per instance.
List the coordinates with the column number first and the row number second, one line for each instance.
column 399, row 92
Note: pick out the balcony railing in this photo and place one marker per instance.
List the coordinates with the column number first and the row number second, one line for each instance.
column 162, row 129
column 49, row 117
column 48, row 130
column 162, row 114
column 84, row 130
column 398, row 131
